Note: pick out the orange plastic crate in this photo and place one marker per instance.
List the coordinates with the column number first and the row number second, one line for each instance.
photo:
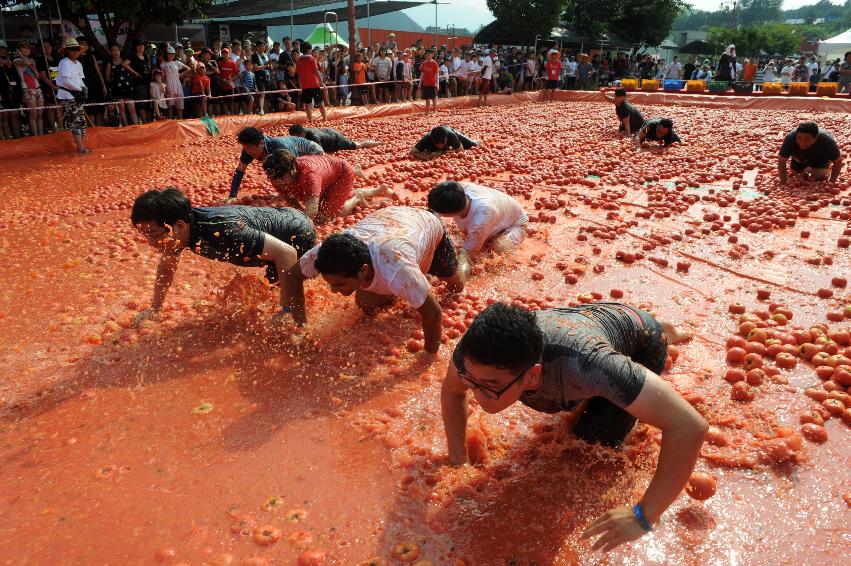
column 629, row 84
column 772, row 88
column 650, row 85
column 799, row 89
column 827, row 89
column 696, row 86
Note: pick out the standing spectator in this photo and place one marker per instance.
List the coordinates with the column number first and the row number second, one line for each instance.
column 430, row 70
column 32, row 96
column 647, row 68
column 310, row 81
column 48, row 67
column 11, row 95
column 802, row 71
column 262, row 76
column 228, row 71
column 748, row 71
column 569, row 69
column 445, row 88
column 383, row 69
column 248, row 89
column 141, row 65
column 285, row 57
column 71, row 83
column 530, row 69
column 786, row 73
column 553, row 73
column 703, row 74
column 463, row 72
column 359, row 79
column 157, row 92
column 487, row 76
column 173, row 74
column 584, row 73
column 845, row 74
column 391, row 43
column 119, row 78
column 94, row 82
column 830, row 72
column 659, row 72
column 769, row 74
column 675, row 70
column 726, row 70
column 690, row 68
column 201, row 89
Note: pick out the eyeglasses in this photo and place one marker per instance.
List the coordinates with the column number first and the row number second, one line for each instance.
column 464, row 378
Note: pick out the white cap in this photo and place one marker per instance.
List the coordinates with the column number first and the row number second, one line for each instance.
column 170, row 49
column 551, row 51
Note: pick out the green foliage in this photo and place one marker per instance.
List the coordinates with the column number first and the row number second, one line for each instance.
column 751, row 40
column 527, row 18
column 759, row 11
column 643, row 23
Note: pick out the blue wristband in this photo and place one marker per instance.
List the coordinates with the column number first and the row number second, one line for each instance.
column 235, row 182
column 642, row 520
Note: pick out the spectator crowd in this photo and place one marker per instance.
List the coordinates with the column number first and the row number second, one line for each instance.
column 143, row 82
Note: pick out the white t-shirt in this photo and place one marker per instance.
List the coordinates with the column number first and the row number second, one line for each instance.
column 769, row 75
column 675, row 70
column 571, row 68
column 401, row 241
column 70, row 76
column 487, row 67
column 491, row 212
column 465, row 68
column 786, row 74
column 382, row 68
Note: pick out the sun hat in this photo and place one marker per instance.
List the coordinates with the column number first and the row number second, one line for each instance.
column 71, row 43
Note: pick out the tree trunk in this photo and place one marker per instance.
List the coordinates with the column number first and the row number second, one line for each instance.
column 352, row 28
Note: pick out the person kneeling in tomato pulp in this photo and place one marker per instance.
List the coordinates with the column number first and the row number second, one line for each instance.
column 242, row 235
column 386, row 255
column 602, row 360
column 814, row 154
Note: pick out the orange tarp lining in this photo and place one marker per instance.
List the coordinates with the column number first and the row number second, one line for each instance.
column 184, row 130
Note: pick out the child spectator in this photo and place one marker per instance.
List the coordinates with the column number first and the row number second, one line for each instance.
column 173, row 74
column 553, row 67
column 429, row 71
column 158, row 91
column 359, row 78
column 280, row 101
column 248, row 86
column 201, row 87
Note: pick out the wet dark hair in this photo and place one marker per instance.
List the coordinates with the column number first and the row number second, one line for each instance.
column 306, row 48
column 279, row 163
column 297, row 130
column 847, row 53
column 447, row 197
column 503, row 336
column 439, row 134
column 342, row 254
column 620, row 92
column 810, row 128
column 249, row 136
column 165, row 206
column 666, row 123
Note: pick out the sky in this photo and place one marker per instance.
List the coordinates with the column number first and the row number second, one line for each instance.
column 474, row 13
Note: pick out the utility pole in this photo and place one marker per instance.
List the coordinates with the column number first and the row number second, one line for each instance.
column 352, row 24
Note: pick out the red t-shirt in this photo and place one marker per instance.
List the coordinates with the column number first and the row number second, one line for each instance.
column 227, row 71
column 428, row 71
column 553, row 69
column 316, row 175
column 306, row 68
column 200, row 84
column 359, row 73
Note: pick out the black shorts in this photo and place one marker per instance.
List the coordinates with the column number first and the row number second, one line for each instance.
column 444, row 264
column 304, row 240
column 799, row 166
column 551, row 84
column 429, row 93
column 385, row 85
column 311, row 95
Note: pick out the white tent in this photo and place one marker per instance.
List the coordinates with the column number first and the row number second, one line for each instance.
column 835, row 46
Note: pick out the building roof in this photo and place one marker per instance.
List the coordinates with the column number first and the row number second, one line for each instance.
column 277, row 12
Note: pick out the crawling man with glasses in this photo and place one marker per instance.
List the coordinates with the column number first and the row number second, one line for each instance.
column 601, row 360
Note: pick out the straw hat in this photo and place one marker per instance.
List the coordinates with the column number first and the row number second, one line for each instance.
column 71, row 43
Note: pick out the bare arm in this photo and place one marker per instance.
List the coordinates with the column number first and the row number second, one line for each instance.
column 284, row 256
column 626, row 129
column 837, row 168
column 422, row 155
column 781, row 168
column 453, row 407
column 311, row 208
column 165, row 275
column 683, row 431
column 432, row 324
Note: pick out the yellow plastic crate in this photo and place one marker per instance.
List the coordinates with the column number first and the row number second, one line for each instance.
column 696, row 86
column 827, row 89
column 650, row 85
column 629, row 84
column 799, row 89
column 772, row 88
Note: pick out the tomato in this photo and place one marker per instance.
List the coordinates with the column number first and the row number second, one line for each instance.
column 374, row 561
column 266, row 535
column 735, row 375
column 763, row 294
column 755, row 376
column 811, row 417
column 165, row 555
column 311, row 558
column 786, row 361
column 752, row 360
column 616, row 293
column 701, row 486
column 742, row 392
column 736, row 355
column 814, row 432
column 840, row 282
column 406, row 551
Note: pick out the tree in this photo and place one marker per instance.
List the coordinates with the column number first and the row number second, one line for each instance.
column 138, row 14
column 751, row 40
column 643, row 23
column 528, row 17
column 760, row 11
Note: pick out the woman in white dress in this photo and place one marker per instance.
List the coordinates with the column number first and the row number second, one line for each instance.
column 173, row 72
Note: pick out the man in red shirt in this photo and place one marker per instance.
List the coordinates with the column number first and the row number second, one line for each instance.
column 310, row 81
column 553, row 72
column 228, row 71
column 319, row 185
column 428, row 73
